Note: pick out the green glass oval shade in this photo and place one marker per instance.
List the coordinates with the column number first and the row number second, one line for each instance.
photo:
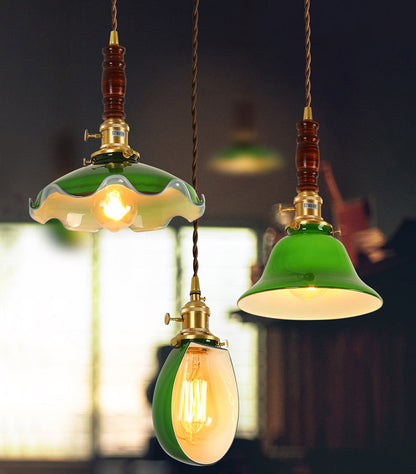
column 195, row 404
column 116, row 193
column 245, row 159
column 309, row 276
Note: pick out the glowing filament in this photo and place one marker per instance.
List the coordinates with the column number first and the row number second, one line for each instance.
column 193, row 408
column 113, row 206
column 192, row 413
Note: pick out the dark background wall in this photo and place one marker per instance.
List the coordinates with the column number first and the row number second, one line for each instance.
column 363, row 78
column 362, row 94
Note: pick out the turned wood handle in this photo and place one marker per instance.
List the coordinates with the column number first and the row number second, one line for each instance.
column 307, row 156
column 113, row 83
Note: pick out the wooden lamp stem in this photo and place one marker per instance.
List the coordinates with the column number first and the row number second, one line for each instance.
column 113, row 83
column 307, row 156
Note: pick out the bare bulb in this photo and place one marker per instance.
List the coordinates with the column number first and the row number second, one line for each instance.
column 114, row 207
column 205, row 403
column 194, row 406
column 199, row 407
column 309, row 293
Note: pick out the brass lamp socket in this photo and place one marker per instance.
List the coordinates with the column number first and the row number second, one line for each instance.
column 114, row 138
column 194, row 317
column 307, row 210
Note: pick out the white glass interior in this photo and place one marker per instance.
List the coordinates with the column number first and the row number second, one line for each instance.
column 143, row 212
column 310, row 303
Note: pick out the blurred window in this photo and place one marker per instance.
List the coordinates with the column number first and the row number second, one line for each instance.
column 45, row 307
column 137, row 288
column 51, row 283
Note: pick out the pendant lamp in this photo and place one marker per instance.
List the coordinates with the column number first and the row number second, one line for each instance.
column 114, row 190
column 195, row 403
column 309, row 275
column 245, row 156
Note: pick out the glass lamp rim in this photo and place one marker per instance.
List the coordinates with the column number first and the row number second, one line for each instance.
column 370, row 291
column 56, row 203
column 333, row 315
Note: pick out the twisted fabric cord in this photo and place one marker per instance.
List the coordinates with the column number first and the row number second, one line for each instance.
column 308, row 54
column 114, row 15
column 195, row 127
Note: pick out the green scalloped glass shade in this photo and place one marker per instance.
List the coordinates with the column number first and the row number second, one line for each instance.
column 195, row 404
column 245, row 159
column 309, row 276
column 116, row 193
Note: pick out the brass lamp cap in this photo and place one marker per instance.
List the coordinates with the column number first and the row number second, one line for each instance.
column 113, row 37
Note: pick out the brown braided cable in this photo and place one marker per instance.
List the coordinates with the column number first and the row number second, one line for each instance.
column 114, row 15
column 308, row 54
column 307, row 150
column 195, row 127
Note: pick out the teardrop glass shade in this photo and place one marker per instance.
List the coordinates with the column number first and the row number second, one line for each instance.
column 309, row 276
column 114, row 194
column 195, row 404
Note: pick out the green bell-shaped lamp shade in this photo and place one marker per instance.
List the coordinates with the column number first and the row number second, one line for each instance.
column 115, row 191
column 309, row 276
column 195, row 403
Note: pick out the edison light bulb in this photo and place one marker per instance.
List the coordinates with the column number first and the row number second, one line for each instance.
column 192, row 403
column 114, row 207
column 309, row 293
column 195, row 412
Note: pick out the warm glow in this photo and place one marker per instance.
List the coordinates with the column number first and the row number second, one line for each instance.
column 309, row 293
column 192, row 410
column 332, row 303
column 205, row 403
column 114, row 207
column 245, row 164
column 192, row 414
